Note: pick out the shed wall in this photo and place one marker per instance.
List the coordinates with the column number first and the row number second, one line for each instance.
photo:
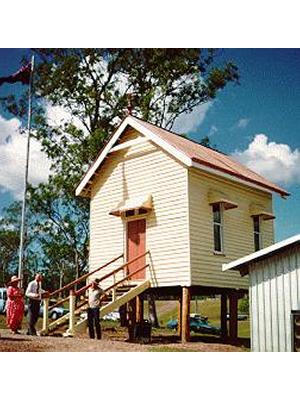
column 274, row 292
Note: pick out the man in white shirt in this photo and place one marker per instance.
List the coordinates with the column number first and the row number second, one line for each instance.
column 35, row 293
column 96, row 294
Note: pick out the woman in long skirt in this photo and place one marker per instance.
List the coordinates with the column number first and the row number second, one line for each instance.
column 15, row 305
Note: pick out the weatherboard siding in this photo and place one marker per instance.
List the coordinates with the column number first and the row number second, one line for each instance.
column 206, row 267
column 140, row 170
column 274, row 293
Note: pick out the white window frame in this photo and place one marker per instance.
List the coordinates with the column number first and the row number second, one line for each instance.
column 221, row 225
column 259, row 232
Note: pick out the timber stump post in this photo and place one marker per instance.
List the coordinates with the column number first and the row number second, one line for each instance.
column 185, row 320
column 131, row 318
column 233, row 320
column 139, row 309
column 123, row 315
column 224, row 330
column 179, row 315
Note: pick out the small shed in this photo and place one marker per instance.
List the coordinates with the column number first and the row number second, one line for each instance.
column 274, row 293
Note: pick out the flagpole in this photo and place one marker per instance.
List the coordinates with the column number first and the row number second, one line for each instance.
column 23, row 220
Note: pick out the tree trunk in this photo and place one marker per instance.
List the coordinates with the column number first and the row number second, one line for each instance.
column 152, row 311
column 3, row 275
column 76, row 268
column 61, row 281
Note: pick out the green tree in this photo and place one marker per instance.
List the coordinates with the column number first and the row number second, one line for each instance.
column 62, row 233
column 244, row 305
column 9, row 244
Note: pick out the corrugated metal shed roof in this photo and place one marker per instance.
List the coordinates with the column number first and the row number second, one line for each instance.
column 242, row 263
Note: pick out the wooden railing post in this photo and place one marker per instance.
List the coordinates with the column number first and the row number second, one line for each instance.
column 233, row 320
column 72, row 301
column 124, row 272
column 46, row 315
column 179, row 315
column 114, row 291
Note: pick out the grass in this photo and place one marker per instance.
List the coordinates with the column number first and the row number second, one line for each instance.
column 209, row 307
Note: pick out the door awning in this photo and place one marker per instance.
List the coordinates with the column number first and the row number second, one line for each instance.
column 258, row 210
column 218, row 197
column 136, row 203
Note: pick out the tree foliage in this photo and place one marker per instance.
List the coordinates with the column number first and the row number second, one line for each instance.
column 244, row 305
column 9, row 244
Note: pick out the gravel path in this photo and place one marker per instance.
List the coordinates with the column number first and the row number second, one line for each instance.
column 23, row 343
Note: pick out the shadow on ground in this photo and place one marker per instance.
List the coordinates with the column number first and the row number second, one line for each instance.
column 165, row 339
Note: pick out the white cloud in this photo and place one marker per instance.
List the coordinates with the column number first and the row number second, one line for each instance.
column 213, row 129
column 12, row 158
column 58, row 115
column 189, row 122
column 275, row 161
column 243, row 123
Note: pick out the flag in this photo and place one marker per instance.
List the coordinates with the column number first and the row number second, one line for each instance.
column 23, row 76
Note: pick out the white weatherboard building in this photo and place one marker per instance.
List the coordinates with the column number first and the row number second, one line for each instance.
column 274, row 292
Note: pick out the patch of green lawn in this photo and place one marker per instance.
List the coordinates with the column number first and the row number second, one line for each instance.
column 209, row 307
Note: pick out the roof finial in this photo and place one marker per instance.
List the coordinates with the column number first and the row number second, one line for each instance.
column 129, row 104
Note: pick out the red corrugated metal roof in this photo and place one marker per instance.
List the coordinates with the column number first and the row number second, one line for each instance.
column 211, row 158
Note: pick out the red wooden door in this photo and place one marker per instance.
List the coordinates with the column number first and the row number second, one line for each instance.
column 136, row 234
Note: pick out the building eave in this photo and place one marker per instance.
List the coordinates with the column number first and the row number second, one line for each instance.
column 207, row 167
column 243, row 263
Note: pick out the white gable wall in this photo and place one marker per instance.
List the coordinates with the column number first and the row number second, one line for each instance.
column 141, row 169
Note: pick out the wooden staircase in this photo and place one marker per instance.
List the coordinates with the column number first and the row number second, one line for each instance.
column 113, row 305
column 116, row 295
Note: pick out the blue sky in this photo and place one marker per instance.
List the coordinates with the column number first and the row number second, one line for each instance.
column 267, row 101
column 258, row 121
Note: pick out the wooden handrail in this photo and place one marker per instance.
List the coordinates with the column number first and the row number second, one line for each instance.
column 126, row 277
column 81, row 305
column 110, row 287
column 120, row 281
column 73, row 283
column 82, row 290
column 109, row 274
column 58, row 303
column 135, row 259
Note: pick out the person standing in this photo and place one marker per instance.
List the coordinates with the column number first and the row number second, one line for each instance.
column 95, row 295
column 15, row 305
column 35, row 293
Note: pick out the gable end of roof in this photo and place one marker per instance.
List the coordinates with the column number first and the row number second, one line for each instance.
column 184, row 150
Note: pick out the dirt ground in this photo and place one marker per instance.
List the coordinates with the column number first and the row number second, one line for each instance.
column 23, row 343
